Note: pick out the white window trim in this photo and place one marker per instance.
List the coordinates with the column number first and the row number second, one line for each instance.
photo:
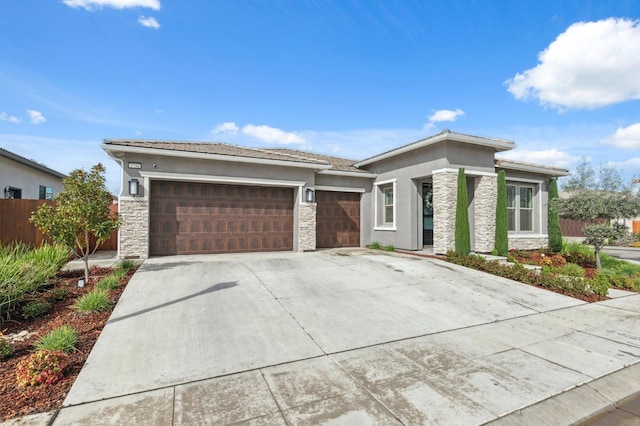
column 385, row 227
column 527, row 183
column 539, row 183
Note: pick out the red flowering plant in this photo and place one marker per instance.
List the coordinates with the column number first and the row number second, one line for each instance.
column 42, row 367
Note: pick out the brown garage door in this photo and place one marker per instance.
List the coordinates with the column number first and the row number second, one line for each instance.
column 337, row 219
column 198, row 218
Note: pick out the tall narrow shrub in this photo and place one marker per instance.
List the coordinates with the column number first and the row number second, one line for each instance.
column 555, row 236
column 502, row 224
column 462, row 233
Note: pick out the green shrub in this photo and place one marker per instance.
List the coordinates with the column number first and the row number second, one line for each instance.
column 600, row 284
column 502, row 223
column 618, row 266
column 5, row 349
column 571, row 269
column 24, row 271
column 555, row 236
column 126, row 265
column 389, row 248
column 579, row 254
column 58, row 293
column 109, row 283
column 96, row 300
column 462, row 232
column 374, row 245
column 63, row 338
column 42, row 367
column 119, row 273
column 35, row 309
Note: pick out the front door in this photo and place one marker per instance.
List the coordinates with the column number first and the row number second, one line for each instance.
column 427, row 214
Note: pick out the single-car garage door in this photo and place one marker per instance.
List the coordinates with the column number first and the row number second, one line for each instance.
column 337, row 219
column 199, row 218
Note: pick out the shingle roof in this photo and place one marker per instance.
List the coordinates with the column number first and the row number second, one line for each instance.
column 31, row 163
column 281, row 154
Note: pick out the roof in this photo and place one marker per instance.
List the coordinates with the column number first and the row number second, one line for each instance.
column 531, row 167
column 30, row 163
column 445, row 135
column 233, row 152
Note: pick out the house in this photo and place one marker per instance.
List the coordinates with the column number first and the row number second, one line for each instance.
column 189, row 198
column 24, row 178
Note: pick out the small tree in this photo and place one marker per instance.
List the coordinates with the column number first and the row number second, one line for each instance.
column 555, row 236
column 80, row 211
column 599, row 198
column 462, row 233
column 502, row 224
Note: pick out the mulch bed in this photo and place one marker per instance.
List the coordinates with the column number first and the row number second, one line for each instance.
column 18, row 401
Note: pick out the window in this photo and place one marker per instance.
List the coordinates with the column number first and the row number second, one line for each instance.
column 388, row 205
column 11, row 192
column 520, row 208
column 385, row 202
column 46, row 193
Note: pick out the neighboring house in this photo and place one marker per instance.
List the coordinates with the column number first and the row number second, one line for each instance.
column 26, row 179
column 189, row 198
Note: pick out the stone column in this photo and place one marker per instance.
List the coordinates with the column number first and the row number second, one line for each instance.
column 486, row 193
column 444, row 211
column 307, row 226
column 134, row 228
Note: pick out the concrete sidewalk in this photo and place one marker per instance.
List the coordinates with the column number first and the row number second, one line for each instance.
column 351, row 337
column 102, row 259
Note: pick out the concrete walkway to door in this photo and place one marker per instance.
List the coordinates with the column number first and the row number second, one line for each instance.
column 350, row 337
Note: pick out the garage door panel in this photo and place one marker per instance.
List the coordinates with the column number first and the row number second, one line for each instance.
column 197, row 218
column 337, row 219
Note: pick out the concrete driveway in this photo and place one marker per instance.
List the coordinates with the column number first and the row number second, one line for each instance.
column 348, row 337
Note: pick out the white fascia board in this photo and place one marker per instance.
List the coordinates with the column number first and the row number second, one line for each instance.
column 220, row 179
column 339, row 189
column 346, row 173
column 114, row 149
column 497, row 144
column 384, row 182
column 522, row 236
column 466, row 172
column 533, row 168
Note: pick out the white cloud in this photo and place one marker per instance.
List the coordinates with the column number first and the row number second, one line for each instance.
column 228, row 127
column 36, row 117
column 625, row 137
column 116, row 4
column 590, row 65
column 10, row 118
column 271, row 134
column 443, row 115
column 548, row 157
column 149, row 22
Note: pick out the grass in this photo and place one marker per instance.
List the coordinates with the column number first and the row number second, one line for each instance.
column 374, row 245
column 126, row 265
column 24, row 270
column 389, row 248
column 109, row 282
column 63, row 338
column 96, row 300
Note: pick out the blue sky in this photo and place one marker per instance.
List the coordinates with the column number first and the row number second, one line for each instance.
column 349, row 78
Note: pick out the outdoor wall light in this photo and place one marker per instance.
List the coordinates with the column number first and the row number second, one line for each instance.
column 310, row 195
column 134, row 187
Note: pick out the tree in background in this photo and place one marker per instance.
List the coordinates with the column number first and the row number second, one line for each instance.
column 80, row 211
column 598, row 197
column 462, row 233
column 502, row 225
column 555, row 236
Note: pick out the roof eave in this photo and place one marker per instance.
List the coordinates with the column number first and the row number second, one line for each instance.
column 113, row 149
column 10, row 155
column 532, row 168
column 348, row 173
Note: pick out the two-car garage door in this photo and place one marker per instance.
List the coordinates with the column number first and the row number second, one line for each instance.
column 198, row 218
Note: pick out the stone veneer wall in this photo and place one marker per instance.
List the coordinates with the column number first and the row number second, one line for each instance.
column 134, row 229
column 485, row 196
column 528, row 243
column 444, row 211
column 307, row 226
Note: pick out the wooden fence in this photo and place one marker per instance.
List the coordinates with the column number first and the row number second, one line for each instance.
column 15, row 226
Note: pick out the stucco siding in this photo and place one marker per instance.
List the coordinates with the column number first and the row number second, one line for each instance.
column 28, row 179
